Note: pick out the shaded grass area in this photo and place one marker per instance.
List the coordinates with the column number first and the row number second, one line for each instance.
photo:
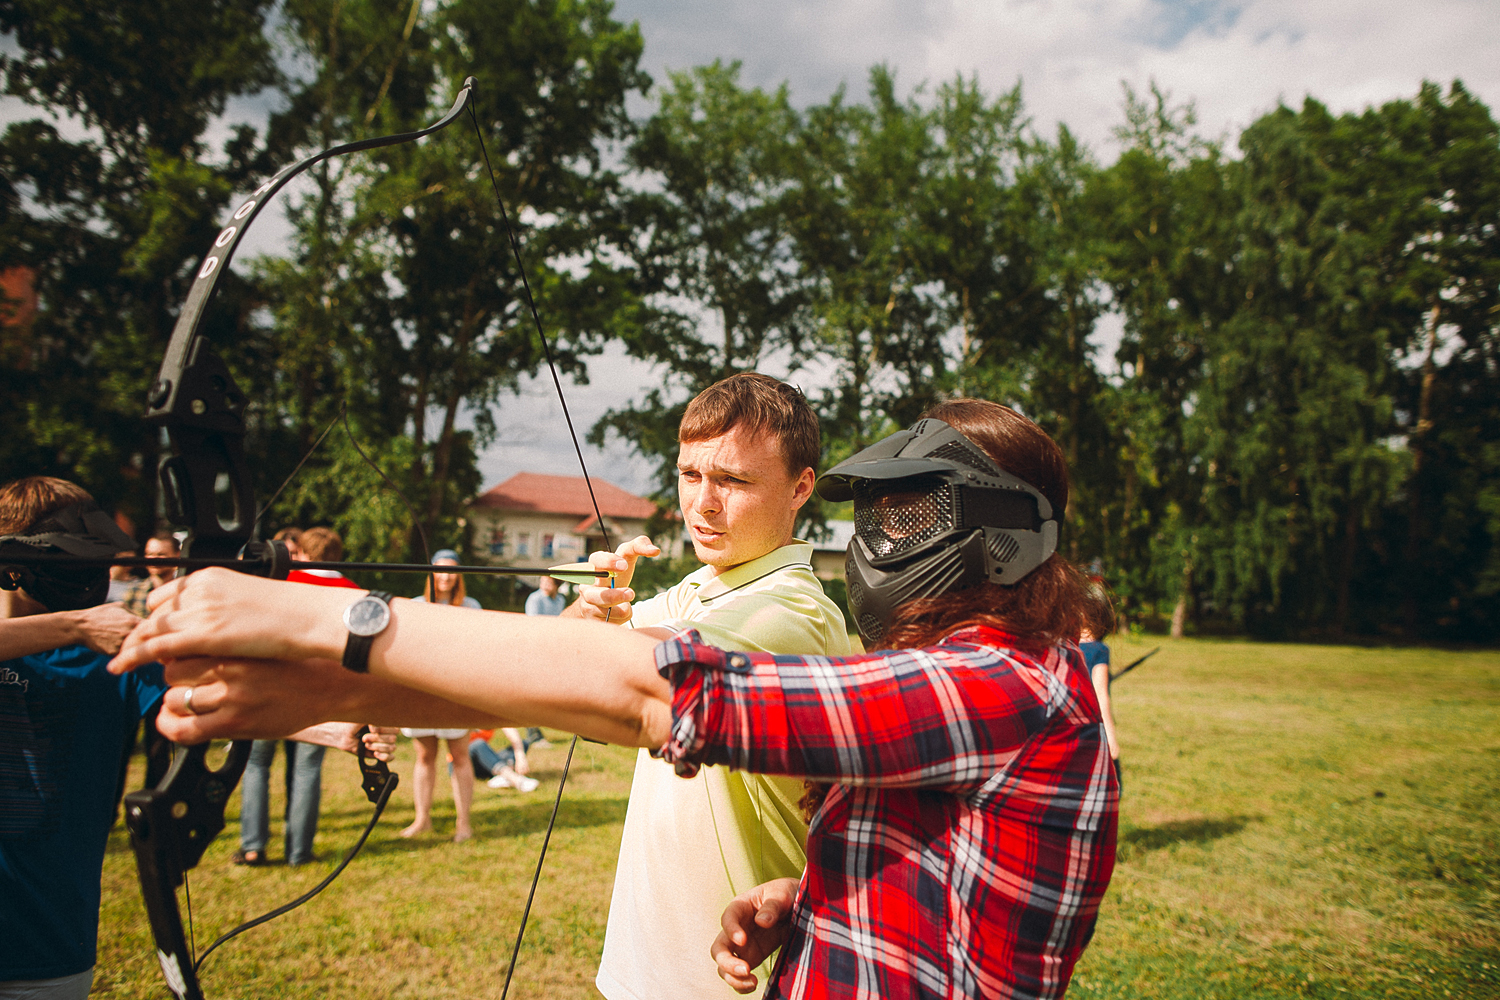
column 1298, row 821
column 419, row 918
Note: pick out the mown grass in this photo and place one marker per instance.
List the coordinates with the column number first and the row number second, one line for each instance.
column 1298, row 821
column 1304, row 821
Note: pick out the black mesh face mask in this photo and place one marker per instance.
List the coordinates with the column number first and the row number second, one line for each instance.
column 933, row 514
column 897, row 517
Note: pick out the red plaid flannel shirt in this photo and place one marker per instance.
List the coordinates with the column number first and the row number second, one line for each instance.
column 970, row 835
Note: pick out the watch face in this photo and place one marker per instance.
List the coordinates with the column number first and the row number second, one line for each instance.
column 367, row 616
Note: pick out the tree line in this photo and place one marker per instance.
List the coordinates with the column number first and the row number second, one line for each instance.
column 1298, row 434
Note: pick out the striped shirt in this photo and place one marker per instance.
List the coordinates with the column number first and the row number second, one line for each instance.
column 970, row 833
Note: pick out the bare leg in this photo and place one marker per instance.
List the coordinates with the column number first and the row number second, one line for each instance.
column 424, row 776
column 519, row 749
column 463, row 787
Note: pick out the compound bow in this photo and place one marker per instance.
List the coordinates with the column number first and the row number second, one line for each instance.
column 207, row 486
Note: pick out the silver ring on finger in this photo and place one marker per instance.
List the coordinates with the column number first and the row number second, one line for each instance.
column 187, row 701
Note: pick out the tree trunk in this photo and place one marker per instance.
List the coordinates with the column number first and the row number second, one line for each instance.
column 1346, row 571
column 1180, row 612
column 1417, row 441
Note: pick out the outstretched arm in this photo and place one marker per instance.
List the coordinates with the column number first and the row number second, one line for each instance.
column 235, row 635
column 102, row 628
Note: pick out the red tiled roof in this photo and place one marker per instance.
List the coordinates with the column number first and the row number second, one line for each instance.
column 532, row 491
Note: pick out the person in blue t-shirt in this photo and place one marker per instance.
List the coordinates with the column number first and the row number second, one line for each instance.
column 1096, row 658
column 545, row 600
column 66, row 725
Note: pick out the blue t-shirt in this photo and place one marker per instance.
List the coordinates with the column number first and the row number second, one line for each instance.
column 1094, row 653
column 63, row 723
column 538, row 603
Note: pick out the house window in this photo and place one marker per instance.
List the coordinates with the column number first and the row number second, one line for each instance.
column 497, row 542
column 547, row 546
column 523, row 545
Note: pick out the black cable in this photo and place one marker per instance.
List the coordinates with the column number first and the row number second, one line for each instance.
column 537, row 875
column 385, row 795
column 343, row 407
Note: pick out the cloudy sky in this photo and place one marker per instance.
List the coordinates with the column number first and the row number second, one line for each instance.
column 1233, row 60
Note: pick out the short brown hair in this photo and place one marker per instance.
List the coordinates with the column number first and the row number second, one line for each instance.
column 760, row 403
column 1049, row 605
column 166, row 536
column 321, row 545
column 26, row 501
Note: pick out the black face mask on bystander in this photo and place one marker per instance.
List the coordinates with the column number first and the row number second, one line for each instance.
column 82, row 530
column 933, row 514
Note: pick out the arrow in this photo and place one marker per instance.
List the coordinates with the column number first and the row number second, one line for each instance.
column 570, row 573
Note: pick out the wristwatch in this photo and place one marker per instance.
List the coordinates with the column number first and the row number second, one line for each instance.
column 365, row 619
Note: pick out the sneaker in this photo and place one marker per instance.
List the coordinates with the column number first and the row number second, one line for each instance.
column 510, row 779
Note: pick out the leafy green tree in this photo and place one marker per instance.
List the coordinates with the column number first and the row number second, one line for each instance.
column 854, row 215
column 715, row 267
column 404, row 261
column 113, row 222
column 1444, row 150
column 1159, row 212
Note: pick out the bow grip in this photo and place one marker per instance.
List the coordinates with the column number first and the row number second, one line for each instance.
column 378, row 779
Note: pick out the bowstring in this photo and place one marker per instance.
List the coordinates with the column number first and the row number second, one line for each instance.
column 536, row 319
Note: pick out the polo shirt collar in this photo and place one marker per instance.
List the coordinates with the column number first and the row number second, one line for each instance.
column 791, row 554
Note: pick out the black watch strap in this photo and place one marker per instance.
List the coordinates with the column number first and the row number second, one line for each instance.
column 357, row 648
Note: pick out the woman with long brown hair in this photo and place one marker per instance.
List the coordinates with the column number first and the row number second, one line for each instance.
column 968, row 832
column 442, row 588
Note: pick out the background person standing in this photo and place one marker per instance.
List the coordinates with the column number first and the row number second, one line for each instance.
column 547, row 599
column 162, row 545
column 304, row 761
column 442, row 588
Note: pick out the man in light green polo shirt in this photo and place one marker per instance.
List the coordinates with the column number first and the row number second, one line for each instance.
column 749, row 447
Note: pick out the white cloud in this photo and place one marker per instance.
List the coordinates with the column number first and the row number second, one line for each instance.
column 1235, row 60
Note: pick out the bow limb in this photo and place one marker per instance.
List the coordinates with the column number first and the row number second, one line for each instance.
column 195, row 398
column 207, row 486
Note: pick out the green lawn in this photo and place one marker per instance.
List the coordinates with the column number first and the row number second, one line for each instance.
column 1298, row 821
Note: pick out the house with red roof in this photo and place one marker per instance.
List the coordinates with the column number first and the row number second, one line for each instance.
column 539, row 520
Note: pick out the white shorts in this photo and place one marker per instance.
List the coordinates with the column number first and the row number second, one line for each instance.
column 442, row 734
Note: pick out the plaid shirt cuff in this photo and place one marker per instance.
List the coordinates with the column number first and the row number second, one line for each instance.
column 693, row 667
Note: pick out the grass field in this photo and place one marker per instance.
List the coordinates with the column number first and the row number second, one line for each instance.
column 1298, row 821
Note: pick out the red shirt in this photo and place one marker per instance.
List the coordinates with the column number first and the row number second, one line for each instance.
column 970, row 835
column 337, row 580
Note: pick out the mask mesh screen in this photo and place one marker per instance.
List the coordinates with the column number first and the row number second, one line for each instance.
column 893, row 521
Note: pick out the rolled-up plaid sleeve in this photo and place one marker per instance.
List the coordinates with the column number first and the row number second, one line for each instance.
column 940, row 717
